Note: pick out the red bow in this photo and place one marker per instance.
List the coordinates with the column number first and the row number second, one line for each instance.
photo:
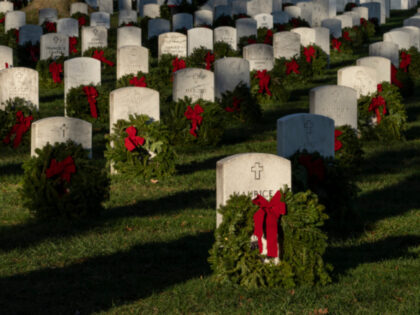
column 264, row 78
column 379, row 88
column 309, row 53
column 405, row 61
column 6, row 64
column 91, row 94
column 22, row 125
column 336, row 44
column 337, row 143
column 394, row 79
column 292, row 66
column 268, row 213
column 100, row 55
column 73, row 44
column 178, row 64
column 17, row 35
column 194, row 116
column 64, row 168
column 50, row 27
column 315, row 169
column 376, row 103
column 33, row 52
column 82, row 21
column 268, row 37
column 2, row 20
column 363, row 21
column 236, row 106
column 56, row 69
column 295, row 22
column 132, row 141
column 138, row 82
column 346, row 36
column 252, row 41
column 209, row 60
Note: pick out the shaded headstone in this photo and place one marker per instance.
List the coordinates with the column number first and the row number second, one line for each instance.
column 124, row 5
column 334, row 25
column 228, row 73
column 94, row 36
column 381, row 65
column 128, row 36
column 286, row 44
column 172, row 43
column 362, row 79
column 182, row 21
column 132, row 59
column 127, row 17
column 14, row 20
column 222, row 10
column 155, row 27
column 68, row 26
column 47, row 15
column 226, row 34
column 199, row 37
column 195, row 83
column 375, row 11
column 245, row 27
column 106, row 6
column 30, row 33
column 386, row 49
column 281, row 17
column 54, row 45
column 260, row 56
column 100, row 19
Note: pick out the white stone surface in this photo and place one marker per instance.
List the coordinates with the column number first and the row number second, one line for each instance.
column 199, row 37
column 132, row 59
column 6, row 57
column 386, row 49
column 54, row 45
column 286, row 44
column 226, row 34
column 362, row 79
column 172, row 43
column 194, row 83
column 14, row 19
column 381, row 65
column 128, row 36
column 229, row 72
column 260, row 56
column 68, row 26
column 47, row 14
column 100, row 19
column 94, row 36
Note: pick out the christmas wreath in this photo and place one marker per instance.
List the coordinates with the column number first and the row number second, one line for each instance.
column 106, row 56
column 348, row 149
column 382, row 116
column 15, row 123
column 201, row 58
column 267, row 87
column 61, row 181
column 200, row 122
column 89, row 102
column 139, row 147
column 222, row 50
column 51, row 72
column 28, row 55
column 49, row 27
column 295, row 242
column 83, row 19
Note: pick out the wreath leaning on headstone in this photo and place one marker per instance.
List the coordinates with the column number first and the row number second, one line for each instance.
column 299, row 242
column 348, row 149
column 51, row 72
column 140, row 147
column 15, row 123
column 61, row 181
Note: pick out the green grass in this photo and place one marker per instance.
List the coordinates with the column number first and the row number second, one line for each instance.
column 148, row 252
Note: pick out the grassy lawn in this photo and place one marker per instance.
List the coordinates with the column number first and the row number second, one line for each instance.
column 148, row 251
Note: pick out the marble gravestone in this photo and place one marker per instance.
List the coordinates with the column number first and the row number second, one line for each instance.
column 362, row 79
column 260, row 56
column 54, row 45
column 264, row 20
column 127, row 17
column 60, row 129
column 336, row 102
column 281, row 17
column 334, row 25
column 245, row 27
column 132, row 59
column 203, row 17
column 362, row 11
column 94, row 36
column 319, row 13
column 254, row 7
column 293, row 11
column 381, row 65
column 6, row 57
column 78, row 7
column 128, row 36
column 30, row 33
column 124, row 5
column 81, row 71
column 375, row 11
column 354, row 16
column 172, row 43
column 307, row 35
column 151, row 10
column 414, row 33
column 14, row 20
column 346, row 20
column 199, row 37
column 100, row 19
column 306, row 9
column 47, row 15
column 286, row 45
column 250, row 174
column 106, row 6
column 277, row 6
column 386, row 49
column 155, row 27
column 68, row 26
column 322, row 39
column 229, row 72
column 401, row 38
column 19, row 82
column 6, row 6
column 182, row 21
column 310, row 132
column 226, row 34
column 194, row 83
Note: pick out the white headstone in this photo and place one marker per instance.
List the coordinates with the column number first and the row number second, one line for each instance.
column 306, row 9
column 54, row 45
column 286, row 45
column 6, row 6
column 401, row 38
column 128, row 36
column 362, row 11
column 362, row 79
column 47, row 14
column 151, row 10
column 229, row 72
column 100, row 19
column 254, row 7
column 381, row 65
column 226, row 34
column 298, row 132
column 322, row 39
column 14, row 20
column 78, row 7
column 30, row 33
column 386, row 49
column 203, row 17
column 127, row 17
column 124, row 5
column 346, row 20
column 264, row 20
column 293, row 11
column 172, row 43
column 94, row 36
column 195, row 83
column 355, row 16
column 6, row 57
column 260, row 56
column 106, row 6
column 68, row 26
column 155, row 27
column 199, row 37
column 132, row 59
column 334, row 25
column 307, row 35
column 414, row 33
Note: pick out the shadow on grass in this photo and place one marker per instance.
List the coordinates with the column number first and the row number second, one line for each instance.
column 34, row 232
column 349, row 257
column 99, row 283
column 209, row 164
column 11, row 169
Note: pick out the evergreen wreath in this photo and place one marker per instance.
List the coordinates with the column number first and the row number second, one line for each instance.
column 414, row 67
column 152, row 157
column 83, row 19
column 49, row 195
column 197, row 59
column 368, row 29
column 49, row 27
column 77, row 104
column 206, row 128
column 44, row 68
column 348, row 149
column 222, row 50
column 109, row 55
column 302, row 243
column 276, row 93
column 318, row 63
column 392, row 124
column 9, row 117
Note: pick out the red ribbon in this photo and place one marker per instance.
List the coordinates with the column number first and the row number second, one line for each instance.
column 264, row 78
column 82, row 21
column 363, row 21
column 236, row 106
column 315, row 169
column 22, row 125
column 194, row 116
column 337, row 143
column 394, row 79
column 73, row 44
column 346, row 36
column 178, row 64
column 64, row 168
column 55, row 70
column 2, row 20
column 379, row 88
column 251, row 41
column 50, row 27
column 268, row 37
column 292, row 66
column 209, row 60
column 6, row 64
column 405, row 61
column 138, row 82
column 309, row 53
column 17, row 35
column 91, row 94
column 295, row 22
column 375, row 105
column 268, row 213
column 33, row 52
column 132, row 141
column 336, row 44
column 100, row 55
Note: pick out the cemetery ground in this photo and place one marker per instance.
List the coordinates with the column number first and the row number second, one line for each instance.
column 147, row 253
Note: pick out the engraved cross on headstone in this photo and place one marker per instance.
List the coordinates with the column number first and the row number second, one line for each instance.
column 257, row 169
column 64, row 128
column 308, row 125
